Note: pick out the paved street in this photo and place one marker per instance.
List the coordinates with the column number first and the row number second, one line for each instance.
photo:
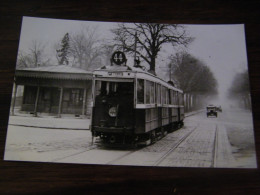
column 226, row 141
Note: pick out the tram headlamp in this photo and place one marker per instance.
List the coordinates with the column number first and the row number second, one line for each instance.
column 112, row 112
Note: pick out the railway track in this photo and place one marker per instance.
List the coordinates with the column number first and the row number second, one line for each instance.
column 159, row 160
column 89, row 147
column 157, row 163
column 215, row 149
column 121, row 157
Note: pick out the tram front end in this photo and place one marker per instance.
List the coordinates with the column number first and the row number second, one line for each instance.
column 113, row 111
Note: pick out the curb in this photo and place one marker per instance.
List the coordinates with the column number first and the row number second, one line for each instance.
column 40, row 127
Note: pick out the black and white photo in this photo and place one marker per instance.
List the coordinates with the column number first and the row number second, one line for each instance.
column 136, row 94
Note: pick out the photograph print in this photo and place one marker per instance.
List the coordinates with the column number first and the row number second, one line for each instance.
column 135, row 94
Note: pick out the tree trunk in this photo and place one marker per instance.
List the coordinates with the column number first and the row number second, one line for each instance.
column 152, row 66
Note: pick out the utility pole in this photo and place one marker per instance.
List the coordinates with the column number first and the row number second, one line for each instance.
column 170, row 72
column 135, row 48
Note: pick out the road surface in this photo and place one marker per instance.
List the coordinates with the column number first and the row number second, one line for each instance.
column 226, row 141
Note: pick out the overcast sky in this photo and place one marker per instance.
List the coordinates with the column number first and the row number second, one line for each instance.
column 221, row 47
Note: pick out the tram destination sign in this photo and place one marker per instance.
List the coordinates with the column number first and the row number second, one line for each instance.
column 115, row 73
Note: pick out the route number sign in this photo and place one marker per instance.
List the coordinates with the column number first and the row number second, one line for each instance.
column 118, row 57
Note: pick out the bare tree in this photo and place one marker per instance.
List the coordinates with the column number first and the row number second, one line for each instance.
column 23, row 60
column 34, row 58
column 85, row 49
column 147, row 39
column 37, row 50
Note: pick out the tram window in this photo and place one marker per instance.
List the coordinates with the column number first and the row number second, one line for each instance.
column 140, row 91
column 167, row 95
column 152, row 92
column 112, row 88
column 104, row 88
column 158, row 94
column 171, row 97
column 163, row 95
column 175, row 97
column 101, row 88
column 97, row 88
column 123, row 89
column 147, row 92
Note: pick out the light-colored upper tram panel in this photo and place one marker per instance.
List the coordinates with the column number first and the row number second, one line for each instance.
column 127, row 72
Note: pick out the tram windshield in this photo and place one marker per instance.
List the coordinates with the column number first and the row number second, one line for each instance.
column 107, row 88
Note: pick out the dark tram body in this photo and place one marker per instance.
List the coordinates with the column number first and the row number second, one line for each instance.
column 133, row 106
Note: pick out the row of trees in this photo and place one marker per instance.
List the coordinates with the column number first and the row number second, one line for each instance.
column 194, row 77
column 87, row 51
column 240, row 90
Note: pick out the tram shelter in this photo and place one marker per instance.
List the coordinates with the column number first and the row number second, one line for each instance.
column 53, row 90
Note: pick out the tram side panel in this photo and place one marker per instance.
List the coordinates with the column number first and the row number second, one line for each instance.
column 181, row 104
column 151, row 122
column 165, row 116
column 163, row 110
column 174, row 117
column 146, row 120
column 139, row 121
column 173, row 110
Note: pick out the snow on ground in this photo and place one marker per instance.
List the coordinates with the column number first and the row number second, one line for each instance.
column 234, row 131
column 241, row 137
column 50, row 122
column 237, row 124
column 243, row 147
column 38, row 144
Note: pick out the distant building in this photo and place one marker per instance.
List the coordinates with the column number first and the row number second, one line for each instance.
column 53, row 90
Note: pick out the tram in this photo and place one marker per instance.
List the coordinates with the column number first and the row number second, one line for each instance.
column 133, row 106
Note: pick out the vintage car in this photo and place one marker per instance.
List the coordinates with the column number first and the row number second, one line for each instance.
column 212, row 111
column 219, row 109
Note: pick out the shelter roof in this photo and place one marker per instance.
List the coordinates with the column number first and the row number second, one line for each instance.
column 55, row 72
